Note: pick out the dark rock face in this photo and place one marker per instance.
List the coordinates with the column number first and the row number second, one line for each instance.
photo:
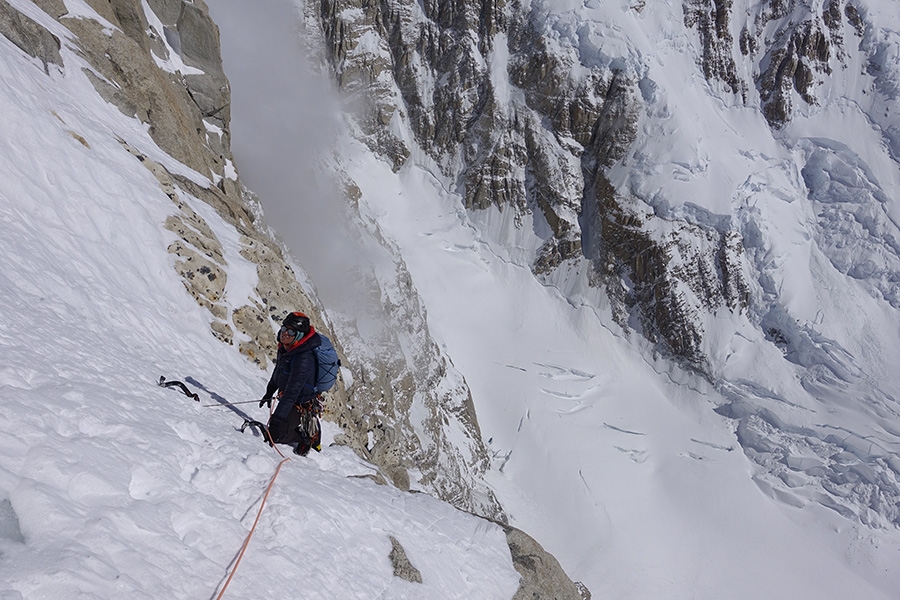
column 199, row 44
column 541, row 148
column 805, row 48
column 712, row 19
column 672, row 278
column 792, row 45
column 793, row 66
column 30, row 37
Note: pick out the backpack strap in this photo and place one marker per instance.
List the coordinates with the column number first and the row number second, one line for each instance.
column 316, row 359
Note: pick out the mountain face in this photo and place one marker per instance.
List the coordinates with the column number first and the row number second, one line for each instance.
column 159, row 64
column 715, row 171
column 717, row 180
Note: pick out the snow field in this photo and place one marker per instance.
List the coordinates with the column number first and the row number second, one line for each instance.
column 630, row 480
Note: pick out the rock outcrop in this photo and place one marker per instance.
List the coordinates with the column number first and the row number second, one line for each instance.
column 29, row 36
column 542, row 577
column 402, row 567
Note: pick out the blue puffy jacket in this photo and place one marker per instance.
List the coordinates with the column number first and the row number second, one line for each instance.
column 295, row 374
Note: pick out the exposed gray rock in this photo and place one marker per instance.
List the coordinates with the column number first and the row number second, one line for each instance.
column 9, row 523
column 112, row 94
column 30, row 37
column 615, row 127
column 199, row 43
column 156, row 96
column 168, row 11
column 793, row 44
column 655, row 256
column 129, row 15
column 174, row 105
column 542, row 576
column 793, row 67
column 54, row 8
column 366, row 76
column 402, row 567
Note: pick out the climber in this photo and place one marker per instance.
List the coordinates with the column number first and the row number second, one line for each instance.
column 295, row 419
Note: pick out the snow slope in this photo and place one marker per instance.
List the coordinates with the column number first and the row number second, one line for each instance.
column 112, row 487
column 630, row 479
column 619, row 466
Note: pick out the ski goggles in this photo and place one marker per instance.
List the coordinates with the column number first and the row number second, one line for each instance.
column 285, row 330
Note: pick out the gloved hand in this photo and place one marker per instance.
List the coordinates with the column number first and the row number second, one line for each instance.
column 270, row 392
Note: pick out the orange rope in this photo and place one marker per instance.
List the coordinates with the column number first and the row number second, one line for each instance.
column 253, row 528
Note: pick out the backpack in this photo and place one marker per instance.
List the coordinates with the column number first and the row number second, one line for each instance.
column 327, row 364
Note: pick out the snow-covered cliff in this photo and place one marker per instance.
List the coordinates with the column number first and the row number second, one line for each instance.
column 131, row 249
column 714, row 170
column 575, row 255
column 709, row 184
